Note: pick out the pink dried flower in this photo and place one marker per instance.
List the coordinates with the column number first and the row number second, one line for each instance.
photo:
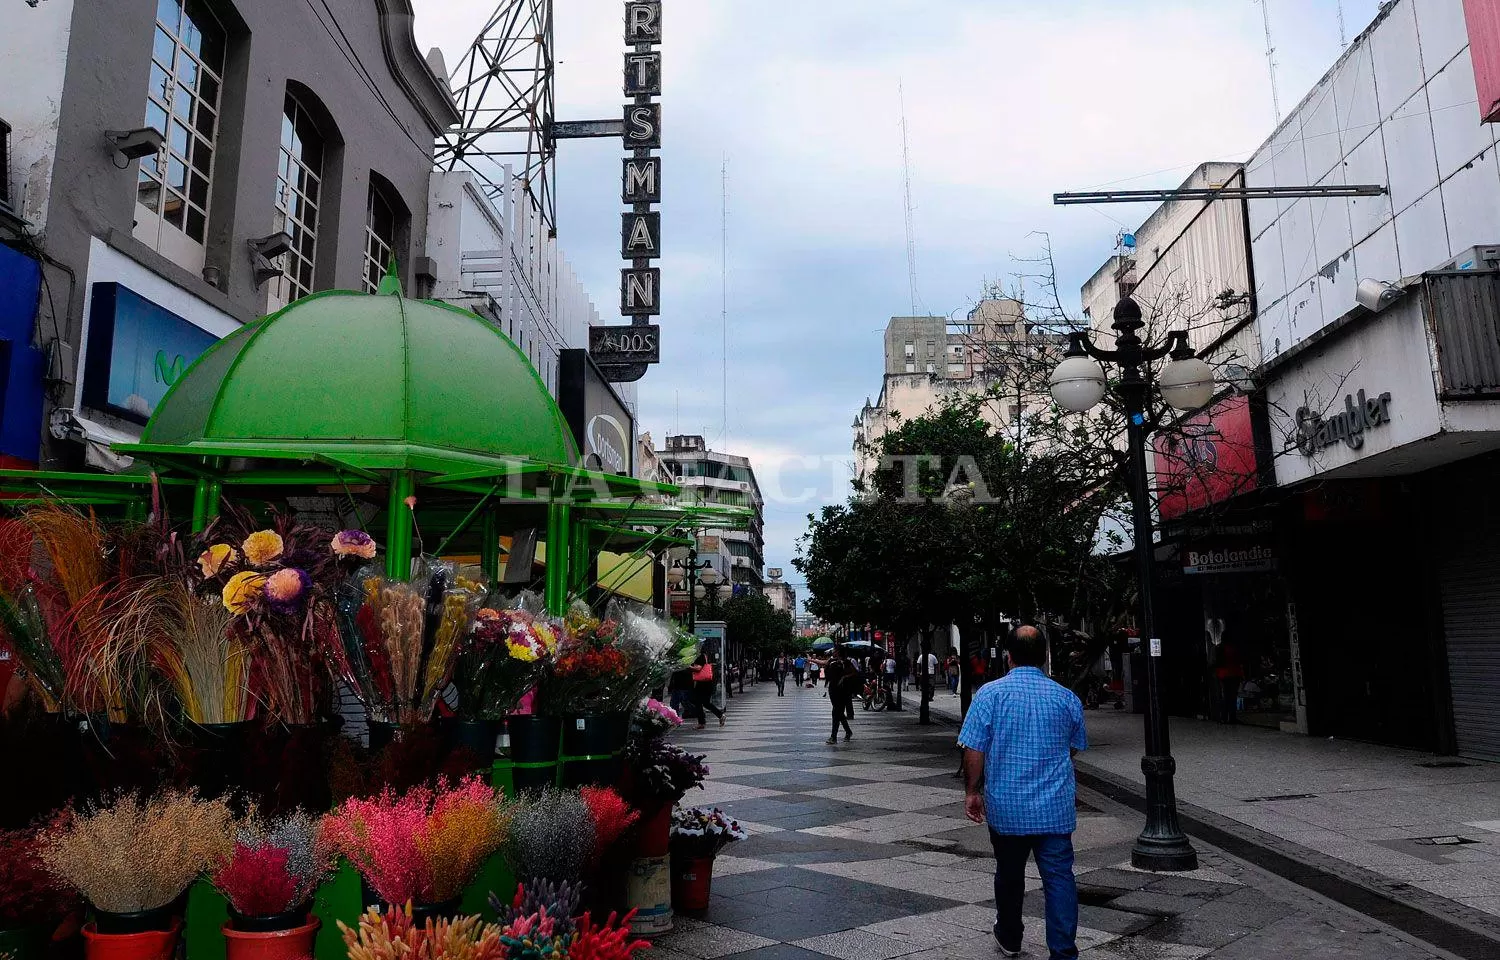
column 354, row 543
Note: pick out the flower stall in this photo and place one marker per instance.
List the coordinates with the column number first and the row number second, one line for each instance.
column 260, row 671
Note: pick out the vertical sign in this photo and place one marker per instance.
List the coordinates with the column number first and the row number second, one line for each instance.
column 640, row 186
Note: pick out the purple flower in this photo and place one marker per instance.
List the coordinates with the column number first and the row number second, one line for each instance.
column 354, row 543
column 286, row 588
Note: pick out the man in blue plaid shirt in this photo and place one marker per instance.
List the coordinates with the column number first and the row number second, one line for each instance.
column 1019, row 739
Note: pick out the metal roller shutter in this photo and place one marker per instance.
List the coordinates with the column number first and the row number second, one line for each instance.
column 1471, row 623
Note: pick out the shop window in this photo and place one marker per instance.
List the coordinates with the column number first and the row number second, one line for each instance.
column 380, row 236
column 299, row 179
column 182, row 103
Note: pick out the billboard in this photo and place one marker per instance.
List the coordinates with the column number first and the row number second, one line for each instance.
column 1206, row 458
column 136, row 351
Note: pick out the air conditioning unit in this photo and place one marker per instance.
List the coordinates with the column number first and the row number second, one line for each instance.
column 745, row 487
column 1486, row 257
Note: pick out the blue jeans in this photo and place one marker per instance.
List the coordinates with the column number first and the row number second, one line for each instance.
column 1054, row 861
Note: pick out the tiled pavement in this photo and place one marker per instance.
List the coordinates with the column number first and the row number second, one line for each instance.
column 861, row 850
column 1373, row 809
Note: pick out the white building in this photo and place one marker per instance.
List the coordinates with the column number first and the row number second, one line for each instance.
column 783, row 595
column 496, row 259
column 710, row 477
column 1383, row 421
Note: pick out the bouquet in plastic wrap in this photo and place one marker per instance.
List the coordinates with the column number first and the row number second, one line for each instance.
column 591, row 673
column 398, row 641
column 701, row 832
column 502, row 658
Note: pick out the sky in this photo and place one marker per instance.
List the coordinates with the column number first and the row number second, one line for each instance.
column 1006, row 101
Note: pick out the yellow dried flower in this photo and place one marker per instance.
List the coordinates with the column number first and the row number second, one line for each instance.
column 263, row 547
column 216, row 558
column 242, row 591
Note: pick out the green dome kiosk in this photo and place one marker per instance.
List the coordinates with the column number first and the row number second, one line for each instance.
column 415, row 413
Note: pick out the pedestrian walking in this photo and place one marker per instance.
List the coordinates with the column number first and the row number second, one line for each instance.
column 842, row 677
column 888, row 675
column 812, row 672
column 799, row 669
column 928, row 671
column 779, row 670
column 953, row 668
column 680, row 689
column 703, row 690
column 1018, row 741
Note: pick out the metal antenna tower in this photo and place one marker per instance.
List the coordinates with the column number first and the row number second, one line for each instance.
column 1343, row 30
column 1265, row 12
column 505, row 88
column 911, row 233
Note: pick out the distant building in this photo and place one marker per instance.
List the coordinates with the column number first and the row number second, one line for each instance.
column 783, row 595
column 928, row 359
column 649, row 466
column 709, row 477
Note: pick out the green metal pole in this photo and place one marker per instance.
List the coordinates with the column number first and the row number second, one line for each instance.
column 489, row 545
column 398, row 525
column 558, row 516
column 579, row 556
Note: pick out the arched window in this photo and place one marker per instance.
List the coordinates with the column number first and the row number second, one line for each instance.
column 299, row 192
column 386, row 225
column 172, row 187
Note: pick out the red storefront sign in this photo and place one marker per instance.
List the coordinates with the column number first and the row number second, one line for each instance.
column 1484, row 47
column 1206, row 459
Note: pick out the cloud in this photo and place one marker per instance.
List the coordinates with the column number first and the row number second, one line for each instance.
column 1007, row 102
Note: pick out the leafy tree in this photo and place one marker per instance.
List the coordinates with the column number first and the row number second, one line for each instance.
column 757, row 626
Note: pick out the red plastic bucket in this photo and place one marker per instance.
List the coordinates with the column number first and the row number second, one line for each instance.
column 691, row 879
column 294, row 944
column 654, row 837
column 147, row 945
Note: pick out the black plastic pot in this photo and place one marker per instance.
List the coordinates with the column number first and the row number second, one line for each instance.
column 533, row 751
column 26, row 943
column 478, row 737
column 159, row 920
column 592, row 747
column 382, row 734
column 448, row 909
column 270, row 923
column 217, row 763
column 595, row 734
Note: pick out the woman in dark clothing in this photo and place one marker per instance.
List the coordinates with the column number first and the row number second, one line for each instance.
column 839, row 672
column 703, row 692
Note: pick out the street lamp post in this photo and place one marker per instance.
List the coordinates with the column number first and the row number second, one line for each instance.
column 1186, row 383
column 693, row 572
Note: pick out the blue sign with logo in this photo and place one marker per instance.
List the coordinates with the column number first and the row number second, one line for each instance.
column 137, row 350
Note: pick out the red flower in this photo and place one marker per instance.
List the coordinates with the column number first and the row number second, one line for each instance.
column 256, row 882
column 612, row 816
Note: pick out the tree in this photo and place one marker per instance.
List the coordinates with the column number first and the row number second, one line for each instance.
column 755, row 625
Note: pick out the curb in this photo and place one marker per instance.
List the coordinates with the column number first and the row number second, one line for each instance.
column 1436, row 920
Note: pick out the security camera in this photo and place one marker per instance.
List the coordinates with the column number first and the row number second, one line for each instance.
column 1376, row 295
column 272, row 246
column 136, row 144
column 266, row 249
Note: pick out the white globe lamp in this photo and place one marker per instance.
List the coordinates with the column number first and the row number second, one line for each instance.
column 1186, row 384
column 709, row 576
column 1078, row 384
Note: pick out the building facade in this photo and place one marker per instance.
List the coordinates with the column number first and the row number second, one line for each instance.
column 708, row 476
column 182, row 167
column 1332, row 543
column 928, row 360
column 783, row 595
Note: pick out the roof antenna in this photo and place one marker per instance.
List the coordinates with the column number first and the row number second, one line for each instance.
column 1343, row 31
column 911, row 233
column 1265, row 11
column 724, row 291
